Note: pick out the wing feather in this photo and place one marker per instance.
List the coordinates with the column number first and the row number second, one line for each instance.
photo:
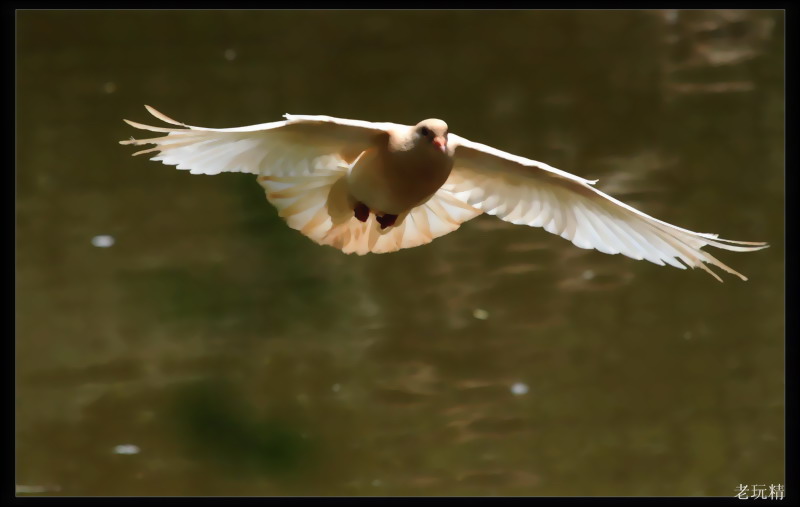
column 525, row 191
column 287, row 147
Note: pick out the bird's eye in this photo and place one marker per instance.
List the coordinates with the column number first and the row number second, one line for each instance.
column 424, row 131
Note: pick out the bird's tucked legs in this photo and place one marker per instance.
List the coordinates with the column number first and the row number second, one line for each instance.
column 361, row 212
column 386, row 220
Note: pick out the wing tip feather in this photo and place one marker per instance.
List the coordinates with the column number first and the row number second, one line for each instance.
column 161, row 116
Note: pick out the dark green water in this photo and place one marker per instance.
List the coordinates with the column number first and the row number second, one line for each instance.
column 239, row 358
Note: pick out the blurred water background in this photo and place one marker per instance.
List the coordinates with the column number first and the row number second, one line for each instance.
column 174, row 337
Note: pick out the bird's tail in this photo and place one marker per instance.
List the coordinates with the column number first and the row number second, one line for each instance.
column 319, row 205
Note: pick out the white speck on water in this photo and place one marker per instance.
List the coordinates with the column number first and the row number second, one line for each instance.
column 671, row 16
column 588, row 274
column 336, row 388
column 480, row 314
column 230, row 54
column 126, row 449
column 103, row 241
column 518, row 389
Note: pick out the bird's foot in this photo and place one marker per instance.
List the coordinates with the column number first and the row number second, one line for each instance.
column 386, row 220
column 361, row 212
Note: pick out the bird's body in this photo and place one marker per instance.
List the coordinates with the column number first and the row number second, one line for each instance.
column 367, row 187
column 392, row 177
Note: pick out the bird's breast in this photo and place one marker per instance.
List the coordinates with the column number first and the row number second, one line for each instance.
column 394, row 183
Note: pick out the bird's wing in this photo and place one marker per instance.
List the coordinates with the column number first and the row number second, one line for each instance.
column 283, row 148
column 524, row 191
column 301, row 163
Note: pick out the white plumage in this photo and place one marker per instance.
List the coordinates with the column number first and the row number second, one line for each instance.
column 308, row 166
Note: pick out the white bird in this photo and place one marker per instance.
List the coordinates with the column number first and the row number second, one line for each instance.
column 367, row 187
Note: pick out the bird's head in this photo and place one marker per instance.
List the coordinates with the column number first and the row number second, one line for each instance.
column 433, row 133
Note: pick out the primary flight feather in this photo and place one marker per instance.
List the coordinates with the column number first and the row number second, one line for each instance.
column 367, row 187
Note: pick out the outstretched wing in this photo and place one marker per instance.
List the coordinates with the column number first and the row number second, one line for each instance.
column 282, row 148
column 524, row 191
column 301, row 163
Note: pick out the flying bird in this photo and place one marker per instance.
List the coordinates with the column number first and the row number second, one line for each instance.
column 365, row 187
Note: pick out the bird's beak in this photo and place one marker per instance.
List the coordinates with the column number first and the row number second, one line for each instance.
column 440, row 142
